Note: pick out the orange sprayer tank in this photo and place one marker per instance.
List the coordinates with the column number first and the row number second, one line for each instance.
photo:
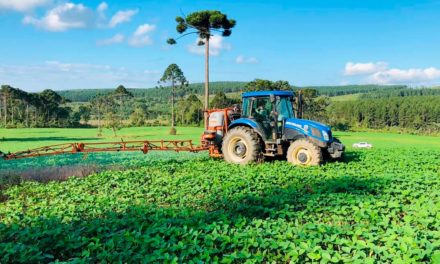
column 216, row 122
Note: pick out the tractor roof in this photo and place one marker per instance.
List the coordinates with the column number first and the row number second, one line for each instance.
column 267, row 93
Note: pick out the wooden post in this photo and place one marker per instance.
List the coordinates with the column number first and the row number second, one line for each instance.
column 172, row 103
column 5, row 105
column 206, row 81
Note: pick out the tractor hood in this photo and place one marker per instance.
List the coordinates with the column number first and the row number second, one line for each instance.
column 308, row 127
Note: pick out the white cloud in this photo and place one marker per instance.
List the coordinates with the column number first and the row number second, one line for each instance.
column 364, row 68
column 22, row 5
column 64, row 17
column 70, row 16
column 72, row 67
column 409, row 76
column 118, row 38
column 141, row 36
column 102, row 7
column 122, row 17
column 144, row 29
column 61, row 75
column 152, row 72
column 216, row 44
column 379, row 73
column 246, row 60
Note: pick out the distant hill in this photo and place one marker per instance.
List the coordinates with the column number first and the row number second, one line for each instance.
column 162, row 94
column 404, row 92
column 353, row 89
column 157, row 93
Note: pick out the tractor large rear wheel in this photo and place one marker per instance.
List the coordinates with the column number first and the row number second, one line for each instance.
column 241, row 145
column 304, row 153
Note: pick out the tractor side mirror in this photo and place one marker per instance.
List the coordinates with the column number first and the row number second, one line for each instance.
column 272, row 98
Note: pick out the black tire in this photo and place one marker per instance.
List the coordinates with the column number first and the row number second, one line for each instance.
column 302, row 152
column 241, row 145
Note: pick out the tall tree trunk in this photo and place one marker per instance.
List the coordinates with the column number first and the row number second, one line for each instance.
column 1, row 108
column 27, row 115
column 35, row 117
column 99, row 119
column 206, row 81
column 12, row 113
column 172, row 103
column 121, row 107
column 5, row 105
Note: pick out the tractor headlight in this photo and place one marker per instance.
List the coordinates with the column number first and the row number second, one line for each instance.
column 325, row 135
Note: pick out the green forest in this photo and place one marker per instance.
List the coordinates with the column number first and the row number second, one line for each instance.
column 156, row 93
column 375, row 107
column 416, row 113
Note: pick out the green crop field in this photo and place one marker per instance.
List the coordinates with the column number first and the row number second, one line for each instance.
column 380, row 205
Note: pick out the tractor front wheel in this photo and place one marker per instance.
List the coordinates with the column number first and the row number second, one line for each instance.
column 241, row 145
column 304, row 153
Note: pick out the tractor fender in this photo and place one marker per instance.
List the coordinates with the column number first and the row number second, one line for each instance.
column 251, row 124
column 293, row 134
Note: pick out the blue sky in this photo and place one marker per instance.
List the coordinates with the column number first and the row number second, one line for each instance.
column 100, row 44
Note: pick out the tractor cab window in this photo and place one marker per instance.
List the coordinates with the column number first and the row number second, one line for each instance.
column 245, row 111
column 261, row 108
column 284, row 108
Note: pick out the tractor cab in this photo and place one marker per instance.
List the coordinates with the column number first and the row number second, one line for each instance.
column 269, row 126
column 269, row 109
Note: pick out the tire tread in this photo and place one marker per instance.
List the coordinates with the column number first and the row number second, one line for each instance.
column 316, row 152
column 252, row 137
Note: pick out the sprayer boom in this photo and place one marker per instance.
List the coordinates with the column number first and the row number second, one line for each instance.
column 144, row 146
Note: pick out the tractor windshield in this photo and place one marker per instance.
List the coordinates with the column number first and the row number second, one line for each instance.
column 284, row 108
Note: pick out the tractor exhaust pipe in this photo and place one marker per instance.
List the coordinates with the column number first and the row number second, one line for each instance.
column 299, row 105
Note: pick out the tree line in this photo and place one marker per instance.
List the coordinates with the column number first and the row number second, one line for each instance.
column 112, row 110
column 419, row 113
column 386, row 93
column 120, row 108
column 412, row 109
column 22, row 109
column 352, row 89
column 161, row 93
column 157, row 94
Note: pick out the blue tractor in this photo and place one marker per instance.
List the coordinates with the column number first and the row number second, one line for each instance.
column 269, row 126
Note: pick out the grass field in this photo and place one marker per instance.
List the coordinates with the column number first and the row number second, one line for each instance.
column 21, row 139
column 345, row 97
column 377, row 206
